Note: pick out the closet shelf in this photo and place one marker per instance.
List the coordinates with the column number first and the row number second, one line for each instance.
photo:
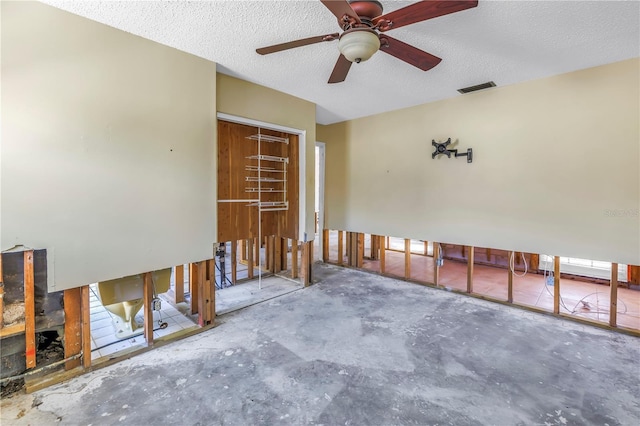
column 267, row 138
column 269, row 158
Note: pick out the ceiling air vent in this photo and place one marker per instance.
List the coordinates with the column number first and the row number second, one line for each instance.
column 477, row 87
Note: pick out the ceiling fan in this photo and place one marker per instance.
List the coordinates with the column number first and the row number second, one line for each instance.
column 364, row 25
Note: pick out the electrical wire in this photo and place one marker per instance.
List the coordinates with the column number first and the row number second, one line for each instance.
column 548, row 274
column 221, row 286
column 512, row 264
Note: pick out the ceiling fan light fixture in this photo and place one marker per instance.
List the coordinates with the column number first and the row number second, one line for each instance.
column 358, row 44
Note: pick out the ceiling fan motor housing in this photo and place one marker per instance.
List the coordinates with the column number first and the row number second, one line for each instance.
column 367, row 9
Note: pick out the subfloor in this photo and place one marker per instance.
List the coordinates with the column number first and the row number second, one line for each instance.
column 358, row 348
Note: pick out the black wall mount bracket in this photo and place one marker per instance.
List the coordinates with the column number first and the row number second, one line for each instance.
column 442, row 149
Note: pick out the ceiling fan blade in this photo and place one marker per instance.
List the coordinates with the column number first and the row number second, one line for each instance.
column 421, row 11
column 340, row 8
column 405, row 52
column 296, row 43
column 341, row 70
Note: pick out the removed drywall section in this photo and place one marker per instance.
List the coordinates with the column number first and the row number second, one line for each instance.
column 243, row 99
column 108, row 147
column 555, row 169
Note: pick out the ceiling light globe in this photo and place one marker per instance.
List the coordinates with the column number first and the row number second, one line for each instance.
column 358, row 44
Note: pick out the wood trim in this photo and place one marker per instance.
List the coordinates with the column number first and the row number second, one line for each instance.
column 147, row 292
column 470, row 258
column 178, row 291
column 407, row 258
column 72, row 326
column 234, row 262
column 86, row 326
column 556, row 284
column 613, row 308
column 340, row 248
column 193, row 287
column 383, row 257
column 29, row 310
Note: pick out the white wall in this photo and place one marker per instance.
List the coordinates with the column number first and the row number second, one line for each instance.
column 108, row 147
column 556, row 168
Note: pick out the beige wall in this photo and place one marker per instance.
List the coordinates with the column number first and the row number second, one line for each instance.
column 243, row 99
column 108, row 145
column 556, row 168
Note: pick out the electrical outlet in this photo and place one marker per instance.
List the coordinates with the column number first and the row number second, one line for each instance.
column 156, row 304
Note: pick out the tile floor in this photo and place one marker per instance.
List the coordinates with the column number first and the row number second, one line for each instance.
column 530, row 290
column 103, row 339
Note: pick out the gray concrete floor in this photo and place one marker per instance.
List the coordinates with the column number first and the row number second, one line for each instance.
column 359, row 349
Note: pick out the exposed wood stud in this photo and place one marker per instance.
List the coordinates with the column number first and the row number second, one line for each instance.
column 613, row 309
column 436, row 268
column 29, row 310
column 86, row 326
column 269, row 255
column 375, row 247
column 284, row 242
column 488, row 254
column 276, row 243
column 407, row 258
column 201, row 270
column 1, row 294
column 257, row 245
column 360, row 250
column 470, row 269
column 193, row 287
column 208, row 305
column 556, row 284
column 234, row 261
column 340, row 248
column 305, row 271
column 325, row 245
column 72, row 326
column 387, row 242
column 353, row 248
column 179, row 284
column 510, row 283
column 534, row 263
column 426, row 248
column 294, row 258
column 250, row 258
column 147, row 291
column 381, row 240
column 243, row 250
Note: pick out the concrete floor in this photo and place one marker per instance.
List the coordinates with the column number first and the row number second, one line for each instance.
column 361, row 349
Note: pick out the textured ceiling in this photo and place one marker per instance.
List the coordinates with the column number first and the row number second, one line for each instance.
column 504, row 41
